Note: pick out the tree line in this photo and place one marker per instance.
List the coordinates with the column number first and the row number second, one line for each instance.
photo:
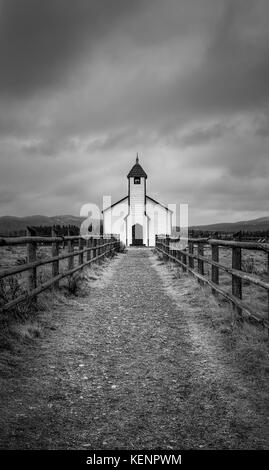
column 46, row 231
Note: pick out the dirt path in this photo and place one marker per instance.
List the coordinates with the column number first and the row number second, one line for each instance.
column 123, row 367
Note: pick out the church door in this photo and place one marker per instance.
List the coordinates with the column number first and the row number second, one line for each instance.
column 137, row 234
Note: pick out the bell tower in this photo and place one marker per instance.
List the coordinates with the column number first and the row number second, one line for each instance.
column 137, row 202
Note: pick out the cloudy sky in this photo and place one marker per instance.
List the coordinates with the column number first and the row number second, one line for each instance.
column 85, row 84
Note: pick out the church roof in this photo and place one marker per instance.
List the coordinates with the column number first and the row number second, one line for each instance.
column 137, row 171
column 147, row 197
column 159, row 203
column 115, row 203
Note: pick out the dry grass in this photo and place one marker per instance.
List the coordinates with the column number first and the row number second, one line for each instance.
column 254, row 263
column 27, row 330
column 26, row 321
column 246, row 343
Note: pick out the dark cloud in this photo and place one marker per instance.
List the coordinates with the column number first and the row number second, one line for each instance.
column 235, row 72
column 41, row 41
column 50, row 147
column 7, row 195
column 85, row 84
column 261, row 125
column 203, row 135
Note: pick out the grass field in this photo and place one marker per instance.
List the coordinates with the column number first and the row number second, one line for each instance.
column 21, row 322
column 24, row 322
column 253, row 262
column 16, row 255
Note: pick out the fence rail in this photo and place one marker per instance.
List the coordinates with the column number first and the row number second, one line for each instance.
column 186, row 257
column 94, row 249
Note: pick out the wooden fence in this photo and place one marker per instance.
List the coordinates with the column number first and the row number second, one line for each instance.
column 87, row 251
column 195, row 251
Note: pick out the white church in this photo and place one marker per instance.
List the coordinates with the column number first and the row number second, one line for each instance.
column 137, row 217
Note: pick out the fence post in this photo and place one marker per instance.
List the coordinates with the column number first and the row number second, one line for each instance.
column 55, row 252
column 80, row 247
column 98, row 249
column 177, row 255
column 191, row 260
column 171, row 251
column 184, row 260
column 106, row 248
column 215, row 269
column 237, row 281
column 164, row 248
column 94, row 247
column 200, row 250
column 110, row 248
column 89, row 252
column 116, row 243
column 31, row 258
column 70, row 248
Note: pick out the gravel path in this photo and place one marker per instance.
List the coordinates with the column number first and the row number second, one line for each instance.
column 123, row 368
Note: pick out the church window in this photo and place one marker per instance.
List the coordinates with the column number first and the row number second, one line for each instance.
column 137, row 180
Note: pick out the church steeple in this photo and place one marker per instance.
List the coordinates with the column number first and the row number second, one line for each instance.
column 137, row 170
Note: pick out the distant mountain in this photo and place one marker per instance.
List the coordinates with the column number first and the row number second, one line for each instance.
column 11, row 224
column 255, row 225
